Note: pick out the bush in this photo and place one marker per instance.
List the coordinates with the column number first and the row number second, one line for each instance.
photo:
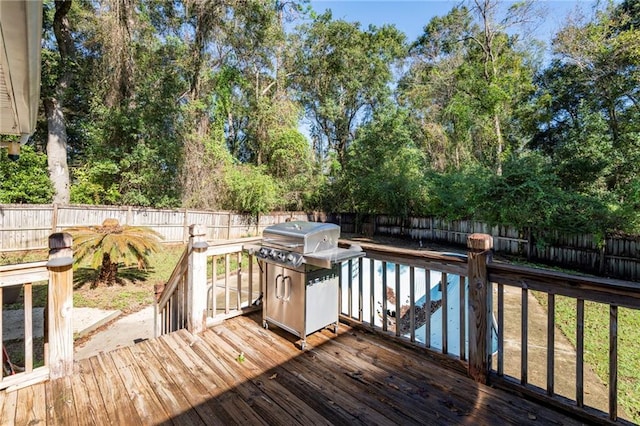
column 25, row 181
column 250, row 190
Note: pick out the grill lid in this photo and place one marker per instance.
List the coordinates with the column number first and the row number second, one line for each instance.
column 293, row 244
column 302, row 237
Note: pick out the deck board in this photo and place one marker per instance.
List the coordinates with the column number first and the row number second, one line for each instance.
column 115, row 397
column 296, row 376
column 355, row 378
column 90, row 408
column 200, row 397
column 62, row 406
column 325, row 391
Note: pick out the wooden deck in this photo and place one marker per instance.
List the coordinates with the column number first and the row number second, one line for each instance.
column 356, row 378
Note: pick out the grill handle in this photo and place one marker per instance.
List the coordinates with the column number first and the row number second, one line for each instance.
column 286, row 294
column 279, row 278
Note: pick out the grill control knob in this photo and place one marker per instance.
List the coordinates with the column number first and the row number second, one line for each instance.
column 273, row 254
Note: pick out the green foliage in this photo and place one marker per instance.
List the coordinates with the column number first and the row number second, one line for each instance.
column 384, row 168
column 342, row 74
column 250, row 190
column 457, row 194
column 95, row 183
column 526, row 195
column 26, row 180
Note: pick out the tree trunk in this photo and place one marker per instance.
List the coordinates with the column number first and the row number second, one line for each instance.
column 500, row 144
column 57, row 131
column 108, row 271
column 57, row 151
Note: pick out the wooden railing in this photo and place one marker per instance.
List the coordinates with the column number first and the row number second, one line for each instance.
column 56, row 355
column 612, row 294
column 210, row 283
column 398, row 292
column 392, row 291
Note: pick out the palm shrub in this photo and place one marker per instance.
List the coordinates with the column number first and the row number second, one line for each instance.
column 111, row 244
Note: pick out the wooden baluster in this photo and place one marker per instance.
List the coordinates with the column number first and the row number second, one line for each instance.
column 28, row 327
column 350, row 285
column 427, row 310
column 463, row 318
column 372, row 292
column 551, row 328
column 384, row 296
column 444, row 287
column 360, row 289
column 412, row 304
column 500, row 330
column 580, row 352
column 524, row 336
column 239, row 281
column 613, row 363
column 227, row 266
column 398, row 307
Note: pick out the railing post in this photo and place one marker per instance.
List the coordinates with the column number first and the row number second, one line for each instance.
column 479, row 254
column 197, row 280
column 60, row 305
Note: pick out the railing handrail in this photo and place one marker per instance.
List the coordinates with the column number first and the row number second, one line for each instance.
column 57, row 272
column 188, row 298
column 218, row 248
column 484, row 278
column 215, row 248
column 23, row 273
column 602, row 290
column 173, row 281
column 452, row 263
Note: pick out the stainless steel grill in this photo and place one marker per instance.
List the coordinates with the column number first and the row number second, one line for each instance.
column 300, row 267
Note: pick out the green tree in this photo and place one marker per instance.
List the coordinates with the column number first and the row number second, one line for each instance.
column 467, row 80
column 111, row 244
column 59, row 67
column 130, row 142
column 384, row 169
column 586, row 113
column 341, row 74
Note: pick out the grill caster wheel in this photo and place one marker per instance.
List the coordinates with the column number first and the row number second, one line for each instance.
column 265, row 325
column 303, row 346
column 335, row 329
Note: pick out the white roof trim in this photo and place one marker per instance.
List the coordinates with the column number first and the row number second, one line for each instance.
column 20, row 67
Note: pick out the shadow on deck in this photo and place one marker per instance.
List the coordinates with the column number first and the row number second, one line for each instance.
column 354, row 378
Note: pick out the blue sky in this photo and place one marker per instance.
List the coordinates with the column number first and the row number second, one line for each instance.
column 410, row 16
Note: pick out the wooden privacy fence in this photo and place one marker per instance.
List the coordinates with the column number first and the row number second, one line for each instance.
column 614, row 256
column 27, row 226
